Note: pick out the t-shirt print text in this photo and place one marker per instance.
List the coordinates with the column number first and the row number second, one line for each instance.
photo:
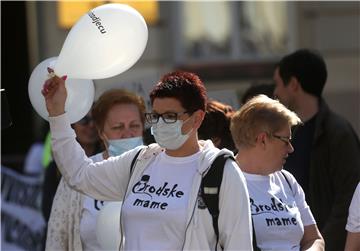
column 280, row 211
column 154, row 193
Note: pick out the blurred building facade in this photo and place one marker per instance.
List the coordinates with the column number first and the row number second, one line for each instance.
column 230, row 44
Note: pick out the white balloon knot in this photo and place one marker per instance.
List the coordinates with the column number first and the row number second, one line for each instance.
column 51, row 75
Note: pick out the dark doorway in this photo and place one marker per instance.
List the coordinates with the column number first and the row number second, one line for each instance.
column 16, row 139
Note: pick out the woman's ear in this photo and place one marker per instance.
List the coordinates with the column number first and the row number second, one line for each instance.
column 261, row 139
column 198, row 118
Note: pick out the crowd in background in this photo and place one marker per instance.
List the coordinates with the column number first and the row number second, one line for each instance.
column 291, row 127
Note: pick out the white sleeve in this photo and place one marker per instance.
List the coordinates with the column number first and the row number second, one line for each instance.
column 105, row 180
column 353, row 221
column 235, row 219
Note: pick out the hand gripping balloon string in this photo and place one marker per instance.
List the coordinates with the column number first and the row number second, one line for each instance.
column 76, row 89
column 51, row 74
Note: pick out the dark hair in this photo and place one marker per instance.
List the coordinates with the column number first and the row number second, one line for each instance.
column 254, row 90
column 216, row 124
column 186, row 87
column 308, row 67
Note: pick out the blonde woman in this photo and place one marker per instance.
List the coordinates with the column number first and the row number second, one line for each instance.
column 282, row 220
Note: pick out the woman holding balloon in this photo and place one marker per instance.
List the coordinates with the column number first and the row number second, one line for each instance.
column 119, row 119
column 161, row 205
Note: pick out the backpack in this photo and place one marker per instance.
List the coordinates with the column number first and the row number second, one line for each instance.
column 209, row 188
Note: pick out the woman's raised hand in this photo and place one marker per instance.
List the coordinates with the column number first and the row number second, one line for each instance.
column 55, row 94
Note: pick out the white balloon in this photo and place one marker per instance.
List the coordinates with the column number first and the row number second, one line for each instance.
column 104, row 42
column 80, row 93
column 108, row 231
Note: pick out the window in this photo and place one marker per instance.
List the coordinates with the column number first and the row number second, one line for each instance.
column 226, row 31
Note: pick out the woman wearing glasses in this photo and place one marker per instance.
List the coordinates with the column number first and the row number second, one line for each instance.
column 161, row 208
column 282, row 220
column 118, row 116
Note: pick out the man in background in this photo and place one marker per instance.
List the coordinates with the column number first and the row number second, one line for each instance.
column 326, row 160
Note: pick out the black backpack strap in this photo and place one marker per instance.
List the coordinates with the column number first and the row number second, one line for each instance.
column 287, row 181
column 210, row 190
column 255, row 246
column 134, row 160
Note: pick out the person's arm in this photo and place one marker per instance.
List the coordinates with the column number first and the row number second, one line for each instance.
column 312, row 239
column 55, row 94
column 235, row 229
column 352, row 242
column 106, row 180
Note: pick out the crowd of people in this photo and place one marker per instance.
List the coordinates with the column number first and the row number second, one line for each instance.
column 290, row 180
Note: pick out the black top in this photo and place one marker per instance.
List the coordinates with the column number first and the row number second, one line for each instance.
column 51, row 182
column 298, row 162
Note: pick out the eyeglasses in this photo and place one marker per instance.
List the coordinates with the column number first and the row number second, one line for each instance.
column 286, row 140
column 85, row 120
column 167, row 117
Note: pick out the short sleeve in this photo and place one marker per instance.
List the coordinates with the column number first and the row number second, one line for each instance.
column 353, row 221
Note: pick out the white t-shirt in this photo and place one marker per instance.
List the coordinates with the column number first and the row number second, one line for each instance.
column 154, row 213
column 353, row 221
column 89, row 214
column 88, row 220
column 279, row 214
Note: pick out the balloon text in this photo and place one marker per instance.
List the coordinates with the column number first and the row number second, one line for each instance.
column 96, row 21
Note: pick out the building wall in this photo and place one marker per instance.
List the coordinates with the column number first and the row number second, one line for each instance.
column 333, row 28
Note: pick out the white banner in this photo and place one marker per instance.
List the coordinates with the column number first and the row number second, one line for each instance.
column 22, row 223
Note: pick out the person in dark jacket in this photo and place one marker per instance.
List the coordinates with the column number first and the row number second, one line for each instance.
column 326, row 162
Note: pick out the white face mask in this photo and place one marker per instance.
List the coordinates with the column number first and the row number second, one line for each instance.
column 169, row 136
column 119, row 146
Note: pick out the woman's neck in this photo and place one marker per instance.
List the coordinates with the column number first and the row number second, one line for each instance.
column 250, row 162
